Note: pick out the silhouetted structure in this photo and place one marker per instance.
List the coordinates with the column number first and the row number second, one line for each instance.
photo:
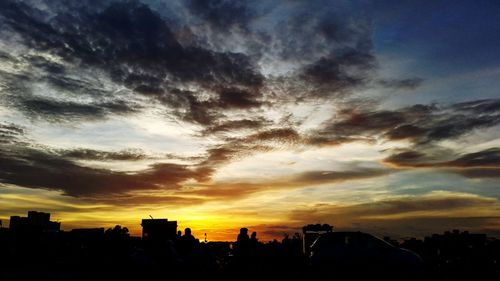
column 87, row 233
column 36, row 253
column 311, row 233
column 457, row 255
column 159, row 229
column 158, row 236
column 36, row 221
column 358, row 254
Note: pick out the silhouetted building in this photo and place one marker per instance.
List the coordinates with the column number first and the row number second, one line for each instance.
column 35, row 221
column 311, row 233
column 159, row 229
column 87, row 232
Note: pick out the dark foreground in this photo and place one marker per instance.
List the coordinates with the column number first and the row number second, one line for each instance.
column 114, row 255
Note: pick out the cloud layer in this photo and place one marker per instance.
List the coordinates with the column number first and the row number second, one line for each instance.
column 187, row 89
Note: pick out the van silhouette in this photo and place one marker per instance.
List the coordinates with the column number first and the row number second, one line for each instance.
column 350, row 254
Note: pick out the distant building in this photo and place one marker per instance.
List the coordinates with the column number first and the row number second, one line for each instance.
column 87, row 232
column 35, row 221
column 85, row 238
column 158, row 229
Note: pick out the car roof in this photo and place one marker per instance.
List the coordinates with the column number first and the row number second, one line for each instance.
column 338, row 234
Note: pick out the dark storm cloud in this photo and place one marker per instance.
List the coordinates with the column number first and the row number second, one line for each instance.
column 85, row 60
column 50, row 171
column 236, row 98
column 36, row 167
column 238, row 147
column 32, row 166
column 407, row 158
column 485, row 158
column 63, row 111
column 137, row 49
column 319, row 177
column 333, row 50
column 11, row 133
column 406, row 205
column 423, row 125
column 406, row 131
column 50, row 67
column 429, row 203
column 479, row 106
column 259, row 141
column 26, row 91
column 478, row 173
column 211, row 111
column 481, row 164
column 401, row 84
column 368, row 122
column 330, row 51
column 323, row 30
column 343, row 71
column 222, row 14
column 100, row 155
column 281, row 136
column 236, row 125
column 420, row 124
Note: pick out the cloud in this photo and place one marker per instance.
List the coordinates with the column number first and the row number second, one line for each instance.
column 132, row 199
column 401, row 214
column 11, row 133
column 427, row 203
column 321, row 177
column 36, row 169
column 34, row 166
column 481, row 164
column 100, row 155
column 234, row 77
column 264, row 140
column 30, row 166
column 479, row 106
column 89, row 55
column 236, row 125
column 478, row 172
column 64, row 111
column 222, row 15
column 236, row 190
column 419, row 124
column 136, row 48
column 338, row 72
column 401, row 84
column 485, row 158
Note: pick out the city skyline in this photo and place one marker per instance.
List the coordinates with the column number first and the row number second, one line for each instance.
column 380, row 116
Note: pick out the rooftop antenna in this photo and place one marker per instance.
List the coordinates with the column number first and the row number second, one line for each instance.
column 151, row 217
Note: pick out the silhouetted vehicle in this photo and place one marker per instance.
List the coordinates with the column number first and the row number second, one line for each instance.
column 348, row 254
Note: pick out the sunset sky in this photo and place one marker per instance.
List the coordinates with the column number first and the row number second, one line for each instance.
column 380, row 116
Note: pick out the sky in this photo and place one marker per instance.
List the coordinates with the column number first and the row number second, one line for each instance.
column 379, row 116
